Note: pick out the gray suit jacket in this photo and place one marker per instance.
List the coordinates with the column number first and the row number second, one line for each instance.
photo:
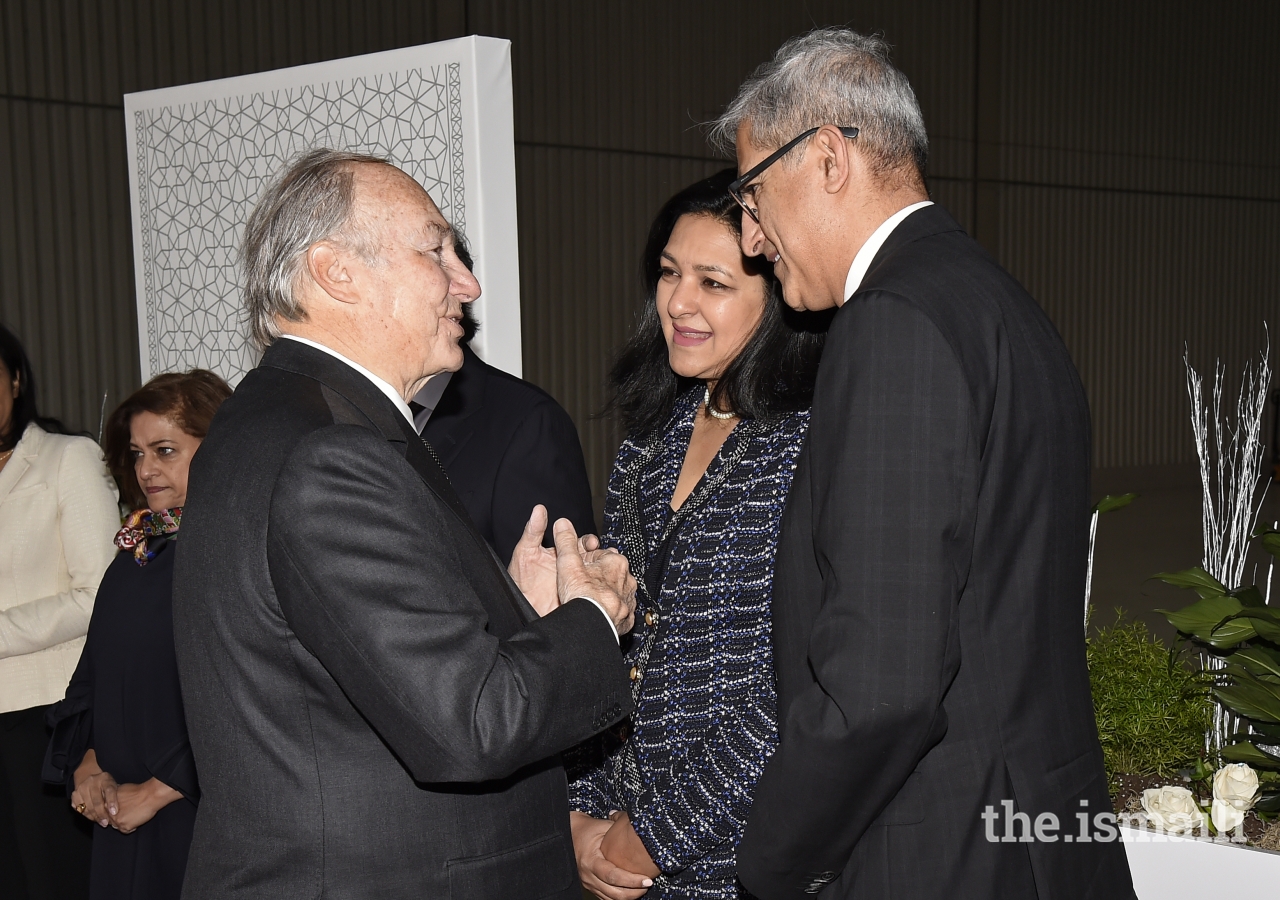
column 928, row 599
column 375, row 709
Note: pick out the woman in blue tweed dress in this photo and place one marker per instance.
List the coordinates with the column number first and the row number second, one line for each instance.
column 714, row 389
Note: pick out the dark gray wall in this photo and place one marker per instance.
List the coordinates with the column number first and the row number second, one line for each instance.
column 1118, row 157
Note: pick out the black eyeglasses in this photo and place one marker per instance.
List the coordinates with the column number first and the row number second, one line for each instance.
column 742, row 188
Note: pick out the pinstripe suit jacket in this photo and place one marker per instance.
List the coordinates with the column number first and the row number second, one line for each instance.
column 927, row 601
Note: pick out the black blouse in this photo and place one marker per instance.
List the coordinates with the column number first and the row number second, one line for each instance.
column 124, row 702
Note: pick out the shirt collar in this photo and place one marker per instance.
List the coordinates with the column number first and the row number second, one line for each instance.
column 381, row 385
column 429, row 398
column 862, row 261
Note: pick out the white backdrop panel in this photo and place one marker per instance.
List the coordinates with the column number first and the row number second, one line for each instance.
column 200, row 154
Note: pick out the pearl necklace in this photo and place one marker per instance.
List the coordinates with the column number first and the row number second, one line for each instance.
column 715, row 413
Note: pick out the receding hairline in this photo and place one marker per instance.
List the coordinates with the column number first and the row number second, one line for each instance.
column 360, row 225
column 362, row 170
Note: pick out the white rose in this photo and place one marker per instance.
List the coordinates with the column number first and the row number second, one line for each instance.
column 1235, row 785
column 1172, row 809
column 1226, row 817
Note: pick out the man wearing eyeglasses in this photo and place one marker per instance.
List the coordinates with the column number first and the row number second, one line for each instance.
column 936, row 729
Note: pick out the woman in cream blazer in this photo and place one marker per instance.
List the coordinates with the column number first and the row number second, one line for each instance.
column 58, row 515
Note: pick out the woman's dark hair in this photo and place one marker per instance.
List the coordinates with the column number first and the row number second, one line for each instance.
column 188, row 398
column 18, row 366
column 773, row 373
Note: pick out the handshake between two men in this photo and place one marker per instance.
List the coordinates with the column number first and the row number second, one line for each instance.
column 578, row 567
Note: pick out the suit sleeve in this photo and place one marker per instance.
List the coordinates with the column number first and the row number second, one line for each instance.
column 542, row 464
column 891, row 537
column 87, row 521
column 70, row 721
column 365, row 561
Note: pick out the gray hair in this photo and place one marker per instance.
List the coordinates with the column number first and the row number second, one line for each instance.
column 312, row 200
column 830, row 76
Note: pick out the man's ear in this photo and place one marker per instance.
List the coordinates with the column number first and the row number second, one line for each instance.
column 329, row 267
column 835, row 157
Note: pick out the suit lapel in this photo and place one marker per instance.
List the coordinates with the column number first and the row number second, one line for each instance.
column 376, row 407
column 27, row 448
column 419, row 454
column 382, row 415
column 422, row 457
column 447, row 444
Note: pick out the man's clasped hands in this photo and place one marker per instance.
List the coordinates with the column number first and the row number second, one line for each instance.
column 612, row 860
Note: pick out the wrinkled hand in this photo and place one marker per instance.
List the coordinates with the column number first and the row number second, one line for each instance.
column 600, row 876
column 623, row 847
column 533, row 566
column 602, row 575
column 138, row 804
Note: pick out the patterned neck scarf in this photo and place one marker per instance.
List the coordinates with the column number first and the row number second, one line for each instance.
column 144, row 523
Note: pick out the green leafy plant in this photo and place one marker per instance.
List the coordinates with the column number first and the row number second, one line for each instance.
column 1111, row 503
column 1152, row 709
column 1236, row 630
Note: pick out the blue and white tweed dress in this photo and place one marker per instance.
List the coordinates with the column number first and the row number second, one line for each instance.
column 705, row 717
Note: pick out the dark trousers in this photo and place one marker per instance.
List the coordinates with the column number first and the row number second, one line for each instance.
column 44, row 845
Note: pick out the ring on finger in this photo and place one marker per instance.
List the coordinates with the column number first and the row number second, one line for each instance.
column 80, row 809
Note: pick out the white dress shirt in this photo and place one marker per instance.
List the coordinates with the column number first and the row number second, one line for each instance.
column 408, row 414
column 862, row 261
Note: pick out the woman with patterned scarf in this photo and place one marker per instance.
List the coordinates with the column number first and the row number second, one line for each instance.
column 714, row 390
column 120, row 740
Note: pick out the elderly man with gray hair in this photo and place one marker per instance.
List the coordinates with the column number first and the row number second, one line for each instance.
column 375, row 704
column 936, row 730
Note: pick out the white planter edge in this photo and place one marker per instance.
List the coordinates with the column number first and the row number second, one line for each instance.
column 1172, row 867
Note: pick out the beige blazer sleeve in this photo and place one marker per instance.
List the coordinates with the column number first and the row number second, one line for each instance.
column 62, row 513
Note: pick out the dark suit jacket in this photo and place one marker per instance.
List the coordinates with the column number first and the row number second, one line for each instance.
column 507, row 445
column 928, row 599
column 375, row 709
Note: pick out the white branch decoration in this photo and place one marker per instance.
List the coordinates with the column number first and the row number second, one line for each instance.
column 1088, row 578
column 1232, row 456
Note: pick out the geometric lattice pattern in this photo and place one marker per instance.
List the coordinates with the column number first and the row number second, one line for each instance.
column 201, row 167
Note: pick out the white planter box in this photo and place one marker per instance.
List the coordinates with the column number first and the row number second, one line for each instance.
column 1166, row 867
